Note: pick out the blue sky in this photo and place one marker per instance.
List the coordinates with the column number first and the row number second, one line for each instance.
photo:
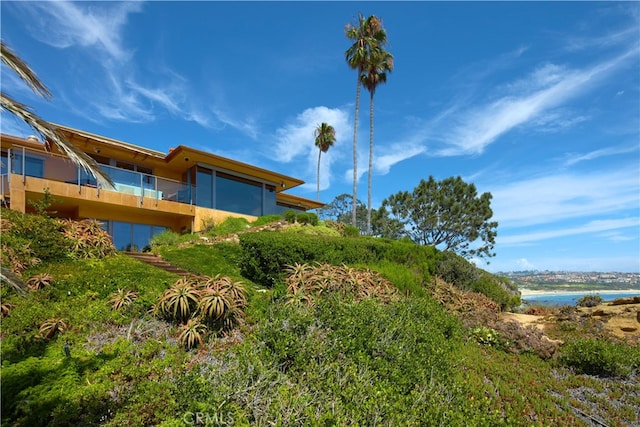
column 537, row 103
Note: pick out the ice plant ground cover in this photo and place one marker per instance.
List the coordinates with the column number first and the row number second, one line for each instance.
column 378, row 341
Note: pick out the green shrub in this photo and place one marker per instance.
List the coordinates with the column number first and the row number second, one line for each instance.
column 229, row 226
column 601, row 357
column 351, row 231
column 589, row 301
column 264, row 255
column 290, row 216
column 166, row 238
column 456, row 270
column 307, row 218
column 266, row 219
column 44, row 234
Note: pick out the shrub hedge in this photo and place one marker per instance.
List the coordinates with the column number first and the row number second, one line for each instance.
column 264, row 255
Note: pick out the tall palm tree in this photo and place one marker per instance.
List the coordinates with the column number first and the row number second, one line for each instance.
column 380, row 62
column 325, row 138
column 367, row 34
column 45, row 129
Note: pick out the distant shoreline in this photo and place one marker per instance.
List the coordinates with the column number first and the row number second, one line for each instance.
column 525, row 292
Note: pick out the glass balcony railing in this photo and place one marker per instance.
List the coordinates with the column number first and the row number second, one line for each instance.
column 27, row 162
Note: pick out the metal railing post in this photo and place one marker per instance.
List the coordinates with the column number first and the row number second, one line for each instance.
column 24, row 175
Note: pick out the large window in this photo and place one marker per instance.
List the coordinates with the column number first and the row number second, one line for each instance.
column 204, row 188
column 220, row 190
column 239, row 195
column 128, row 236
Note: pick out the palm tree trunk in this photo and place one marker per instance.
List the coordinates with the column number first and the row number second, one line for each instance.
column 370, row 177
column 319, row 154
column 355, row 155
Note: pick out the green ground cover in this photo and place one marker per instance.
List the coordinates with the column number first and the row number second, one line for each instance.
column 339, row 360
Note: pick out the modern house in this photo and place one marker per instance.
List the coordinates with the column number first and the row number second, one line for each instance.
column 182, row 190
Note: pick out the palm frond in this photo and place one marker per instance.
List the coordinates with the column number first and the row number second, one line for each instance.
column 15, row 63
column 51, row 135
column 8, row 276
column 48, row 132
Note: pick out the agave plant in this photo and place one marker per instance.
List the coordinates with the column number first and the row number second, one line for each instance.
column 89, row 239
column 237, row 293
column 19, row 260
column 299, row 299
column 39, row 281
column 215, row 303
column 180, row 300
column 122, row 299
column 6, row 308
column 191, row 333
column 53, row 326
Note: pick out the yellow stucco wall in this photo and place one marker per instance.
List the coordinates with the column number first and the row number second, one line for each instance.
column 87, row 202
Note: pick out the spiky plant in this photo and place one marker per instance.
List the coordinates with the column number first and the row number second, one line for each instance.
column 6, row 308
column 180, row 300
column 192, row 333
column 297, row 276
column 215, row 303
column 19, row 259
column 299, row 299
column 53, row 326
column 89, row 239
column 39, row 281
column 122, row 299
column 237, row 293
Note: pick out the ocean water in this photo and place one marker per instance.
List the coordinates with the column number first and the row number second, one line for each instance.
column 570, row 298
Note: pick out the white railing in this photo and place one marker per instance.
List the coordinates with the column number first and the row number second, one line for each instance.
column 26, row 162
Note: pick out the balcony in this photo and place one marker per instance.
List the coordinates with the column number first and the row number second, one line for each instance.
column 25, row 162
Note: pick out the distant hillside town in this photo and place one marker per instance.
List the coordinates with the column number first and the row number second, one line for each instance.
column 613, row 280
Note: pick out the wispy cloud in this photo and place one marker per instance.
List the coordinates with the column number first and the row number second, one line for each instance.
column 555, row 198
column 596, row 226
column 573, row 158
column 546, row 88
column 96, row 26
column 97, row 30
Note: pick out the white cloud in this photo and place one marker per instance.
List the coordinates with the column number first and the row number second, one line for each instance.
column 97, row 26
column 295, row 142
column 116, row 93
column 558, row 197
column 524, row 264
column 572, row 159
column 545, row 88
column 588, row 228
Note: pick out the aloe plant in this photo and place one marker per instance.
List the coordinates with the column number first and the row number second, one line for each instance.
column 180, row 300
column 122, row 299
column 215, row 303
column 53, row 326
column 192, row 333
column 39, row 281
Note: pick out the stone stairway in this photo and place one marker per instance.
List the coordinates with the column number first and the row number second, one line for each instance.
column 157, row 261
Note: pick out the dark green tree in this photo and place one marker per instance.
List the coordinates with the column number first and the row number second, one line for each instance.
column 447, row 214
column 340, row 210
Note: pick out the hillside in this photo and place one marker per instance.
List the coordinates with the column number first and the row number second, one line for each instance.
column 287, row 325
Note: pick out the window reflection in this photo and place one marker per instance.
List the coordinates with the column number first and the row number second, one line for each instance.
column 132, row 237
column 238, row 195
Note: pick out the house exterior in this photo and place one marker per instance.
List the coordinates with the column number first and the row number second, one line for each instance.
column 182, row 190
